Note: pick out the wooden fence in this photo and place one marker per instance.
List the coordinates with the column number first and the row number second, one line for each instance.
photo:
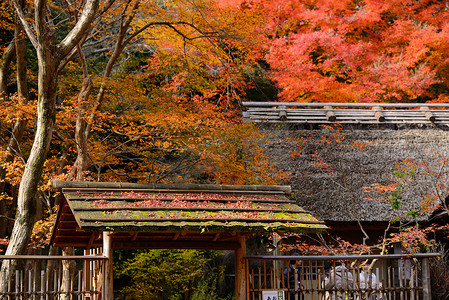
column 392, row 277
column 46, row 277
column 347, row 113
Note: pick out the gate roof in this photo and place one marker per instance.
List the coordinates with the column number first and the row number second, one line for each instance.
column 174, row 215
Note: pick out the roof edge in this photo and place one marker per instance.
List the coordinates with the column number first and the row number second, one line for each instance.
column 60, row 184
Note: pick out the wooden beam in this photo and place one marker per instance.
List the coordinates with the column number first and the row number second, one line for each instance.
column 240, row 269
column 238, row 198
column 91, row 240
column 62, row 244
column 94, row 187
column 73, row 238
column 108, row 285
column 341, row 104
column 206, row 245
column 427, row 295
column 88, row 221
column 68, row 223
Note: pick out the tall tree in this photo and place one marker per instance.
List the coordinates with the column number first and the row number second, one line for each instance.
column 194, row 35
column 165, row 122
column 51, row 54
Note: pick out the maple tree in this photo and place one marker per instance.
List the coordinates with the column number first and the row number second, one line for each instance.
column 161, row 127
column 87, row 127
column 357, row 51
column 150, row 91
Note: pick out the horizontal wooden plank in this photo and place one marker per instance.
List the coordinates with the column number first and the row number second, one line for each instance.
column 207, row 245
column 342, row 104
column 146, row 208
column 52, row 257
column 70, row 223
column 175, row 220
column 353, row 122
column 73, row 238
column 225, row 200
column 177, row 188
column 76, row 244
column 164, row 238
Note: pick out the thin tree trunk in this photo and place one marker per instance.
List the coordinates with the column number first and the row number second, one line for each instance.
column 19, row 126
column 5, row 63
column 68, row 272
column 81, row 163
column 80, row 136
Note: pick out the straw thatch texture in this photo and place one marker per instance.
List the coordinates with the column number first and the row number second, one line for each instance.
column 362, row 157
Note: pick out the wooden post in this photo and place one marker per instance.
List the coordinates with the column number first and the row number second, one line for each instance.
column 282, row 113
column 378, row 114
column 428, row 113
column 426, row 279
column 330, row 115
column 108, row 276
column 240, row 270
column 245, row 116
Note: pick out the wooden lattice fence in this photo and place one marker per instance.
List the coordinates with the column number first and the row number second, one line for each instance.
column 401, row 277
column 46, row 277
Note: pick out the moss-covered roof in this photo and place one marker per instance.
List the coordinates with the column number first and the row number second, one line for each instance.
column 182, row 208
column 122, row 210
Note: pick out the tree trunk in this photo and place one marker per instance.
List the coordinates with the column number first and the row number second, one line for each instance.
column 5, row 62
column 50, row 53
column 26, row 202
column 19, row 126
column 81, row 163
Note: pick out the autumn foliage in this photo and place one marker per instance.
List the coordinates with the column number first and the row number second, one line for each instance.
column 357, row 51
column 168, row 79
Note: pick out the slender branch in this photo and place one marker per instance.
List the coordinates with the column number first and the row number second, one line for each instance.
column 25, row 24
column 7, row 218
column 77, row 33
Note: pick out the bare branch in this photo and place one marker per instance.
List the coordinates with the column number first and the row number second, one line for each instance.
column 77, row 33
column 25, row 24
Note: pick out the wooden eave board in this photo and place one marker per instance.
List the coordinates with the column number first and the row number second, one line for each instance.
column 206, row 211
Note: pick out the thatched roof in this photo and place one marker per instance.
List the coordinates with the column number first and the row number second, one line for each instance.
column 151, row 214
column 338, row 194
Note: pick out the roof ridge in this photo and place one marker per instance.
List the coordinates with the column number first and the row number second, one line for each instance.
column 79, row 185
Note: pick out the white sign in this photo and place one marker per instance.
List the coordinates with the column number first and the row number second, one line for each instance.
column 273, row 295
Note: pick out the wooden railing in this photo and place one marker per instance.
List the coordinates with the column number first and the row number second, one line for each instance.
column 346, row 113
column 404, row 277
column 44, row 277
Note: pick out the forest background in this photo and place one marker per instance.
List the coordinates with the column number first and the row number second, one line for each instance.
column 151, row 91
